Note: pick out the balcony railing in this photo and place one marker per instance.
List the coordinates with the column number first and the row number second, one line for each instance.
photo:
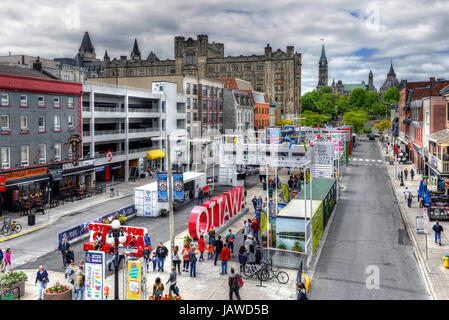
column 149, row 110
column 105, row 132
column 138, row 130
column 137, row 150
column 441, row 165
column 103, row 154
column 108, row 109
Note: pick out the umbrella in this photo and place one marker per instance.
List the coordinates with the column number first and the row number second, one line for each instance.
column 420, row 189
column 427, row 199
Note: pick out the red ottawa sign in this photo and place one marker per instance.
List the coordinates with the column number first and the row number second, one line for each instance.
column 215, row 212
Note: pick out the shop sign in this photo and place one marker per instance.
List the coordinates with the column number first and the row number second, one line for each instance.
column 24, row 173
column 95, row 277
column 134, row 280
column 2, row 184
column 69, row 165
column 215, row 212
column 75, row 142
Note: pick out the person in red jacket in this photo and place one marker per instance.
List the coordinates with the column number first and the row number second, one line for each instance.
column 201, row 247
column 225, row 255
column 255, row 228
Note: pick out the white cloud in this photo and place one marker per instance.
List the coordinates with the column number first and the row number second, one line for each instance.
column 409, row 32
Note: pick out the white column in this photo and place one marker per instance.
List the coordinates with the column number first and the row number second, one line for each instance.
column 92, row 122
column 126, row 137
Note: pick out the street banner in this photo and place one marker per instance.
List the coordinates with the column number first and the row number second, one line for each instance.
column 286, row 193
column 178, row 187
column 134, row 280
column 162, row 188
column 336, row 137
column 95, row 275
column 263, row 227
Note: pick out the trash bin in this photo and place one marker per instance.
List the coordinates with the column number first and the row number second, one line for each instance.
column 446, row 261
column 31, row 219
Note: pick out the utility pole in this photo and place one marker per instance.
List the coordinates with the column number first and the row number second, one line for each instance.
column 170, row 198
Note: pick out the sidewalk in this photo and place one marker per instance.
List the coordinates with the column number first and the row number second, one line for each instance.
column 71, row 208
column 208, row 284
column 435, row 275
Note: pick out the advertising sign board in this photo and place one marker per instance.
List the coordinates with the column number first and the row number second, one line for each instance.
column 95, row 275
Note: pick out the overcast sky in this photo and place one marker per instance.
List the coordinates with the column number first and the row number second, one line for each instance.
column 359, row 35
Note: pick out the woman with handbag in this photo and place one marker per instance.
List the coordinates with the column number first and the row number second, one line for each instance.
column 42, row 280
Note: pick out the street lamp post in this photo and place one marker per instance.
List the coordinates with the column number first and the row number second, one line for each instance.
column 115, row 236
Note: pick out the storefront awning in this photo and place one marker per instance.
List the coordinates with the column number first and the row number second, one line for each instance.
column 155, row 154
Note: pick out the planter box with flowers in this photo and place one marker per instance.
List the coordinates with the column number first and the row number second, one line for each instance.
column 58, row 292
column 14, row 280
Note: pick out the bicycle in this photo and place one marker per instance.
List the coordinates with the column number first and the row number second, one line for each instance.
column 276, row 273
column 113, row 192
column 9, row 227
column 261, row 272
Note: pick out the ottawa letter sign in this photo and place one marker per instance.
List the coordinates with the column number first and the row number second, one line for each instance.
column 215, row 212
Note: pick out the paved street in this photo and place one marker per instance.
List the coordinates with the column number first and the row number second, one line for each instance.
column 366, row 234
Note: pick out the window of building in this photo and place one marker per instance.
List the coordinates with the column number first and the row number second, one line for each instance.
column 195, row 103
column 41, row 123
column 204, row 104
column 58, row 151
column 195, row 116
column 24, row 122
column 25, row 155
column 188, row 88
column 162, row 71
column 204, row 117
column 6, row 163
column 70, row 103
column 188, row 103
column 248, row 68
column 223, row 69
column 71, row 121
column 42, row 153
column 172, row 71
column 260, row 67
column 57, row 123
column 180, row 124
column 209, row 91
column 191, row 58
column 163, row 124
column 66, row 78
column 56, row 102
column 163, row 106
column 41, row 101
column 152, row 72
column 23, row 101
column 204, row 90
column 4, row 99
column 5, row 122
column 211, row 69
column 235, row 67
column 195, row 89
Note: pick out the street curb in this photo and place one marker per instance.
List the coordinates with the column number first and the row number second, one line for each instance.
column 422, row 265
column 22, row 233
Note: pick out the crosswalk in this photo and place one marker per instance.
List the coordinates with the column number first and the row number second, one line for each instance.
column 365, row 162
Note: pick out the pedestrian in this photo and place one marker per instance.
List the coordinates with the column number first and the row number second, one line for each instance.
column 230, row 237
column 78, row 283
column 200, row 195
column 248, row 242
column 301, row 292
column 201, row 247
column 234, row 284
column 70, row 256
column 70, row 272
column 133, row 242
column 438, row 229
column 172, row 280
column 147, row 240
column 185, row 257
column 192, row 260
column 176, row 259
column 254, row 201
column 158, row 289
column 405, row 173
column 146, row 253
column 225, row 255
column 210, row 251
column 412, row 174
column 1, row 260
column 63, row 247
column 161, row 252
column 258, row 214
column 410, row 199
column 41, row 280
column 406, row 193
column 218, row 248
column 255, row 228
column 260, row 202
column 245, row 230
column 212, row 235
column 290, row 183
column 155, row 261
column 111, row 257
column 242, row 258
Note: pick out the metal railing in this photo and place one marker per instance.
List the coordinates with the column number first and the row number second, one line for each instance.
column 148, row 110
column 113, row 86
column 108, row 109
column 285, row 258
column 143, row 130
column 104, row 132
column 137, row 150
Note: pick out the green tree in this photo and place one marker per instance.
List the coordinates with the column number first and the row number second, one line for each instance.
column 342, row 104
column 357, row 119
column 382, row 125
column 283, row 123
column 308, row 101
column 312, row 119
column 371, row 99
column 391, row 96
column 357, row 99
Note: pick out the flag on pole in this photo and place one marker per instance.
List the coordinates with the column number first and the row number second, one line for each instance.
column 109, row 155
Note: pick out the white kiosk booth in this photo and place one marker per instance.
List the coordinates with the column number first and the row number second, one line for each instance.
column 146, row 196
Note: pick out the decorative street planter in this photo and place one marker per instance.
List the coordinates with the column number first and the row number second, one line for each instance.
column 13, row 280
column 57, row 292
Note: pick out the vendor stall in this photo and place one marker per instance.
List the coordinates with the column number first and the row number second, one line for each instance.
column 146, row 197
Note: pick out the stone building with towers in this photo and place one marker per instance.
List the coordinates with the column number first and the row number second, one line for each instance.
column 276, row 73
column 390, row 81
column 322, row 70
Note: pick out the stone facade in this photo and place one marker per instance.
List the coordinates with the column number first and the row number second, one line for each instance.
column 278, row 74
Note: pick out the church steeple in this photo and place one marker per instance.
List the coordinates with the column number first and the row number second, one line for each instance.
column 323, row 54
column 135, row 54
column 391, row 72
column 86, row 44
